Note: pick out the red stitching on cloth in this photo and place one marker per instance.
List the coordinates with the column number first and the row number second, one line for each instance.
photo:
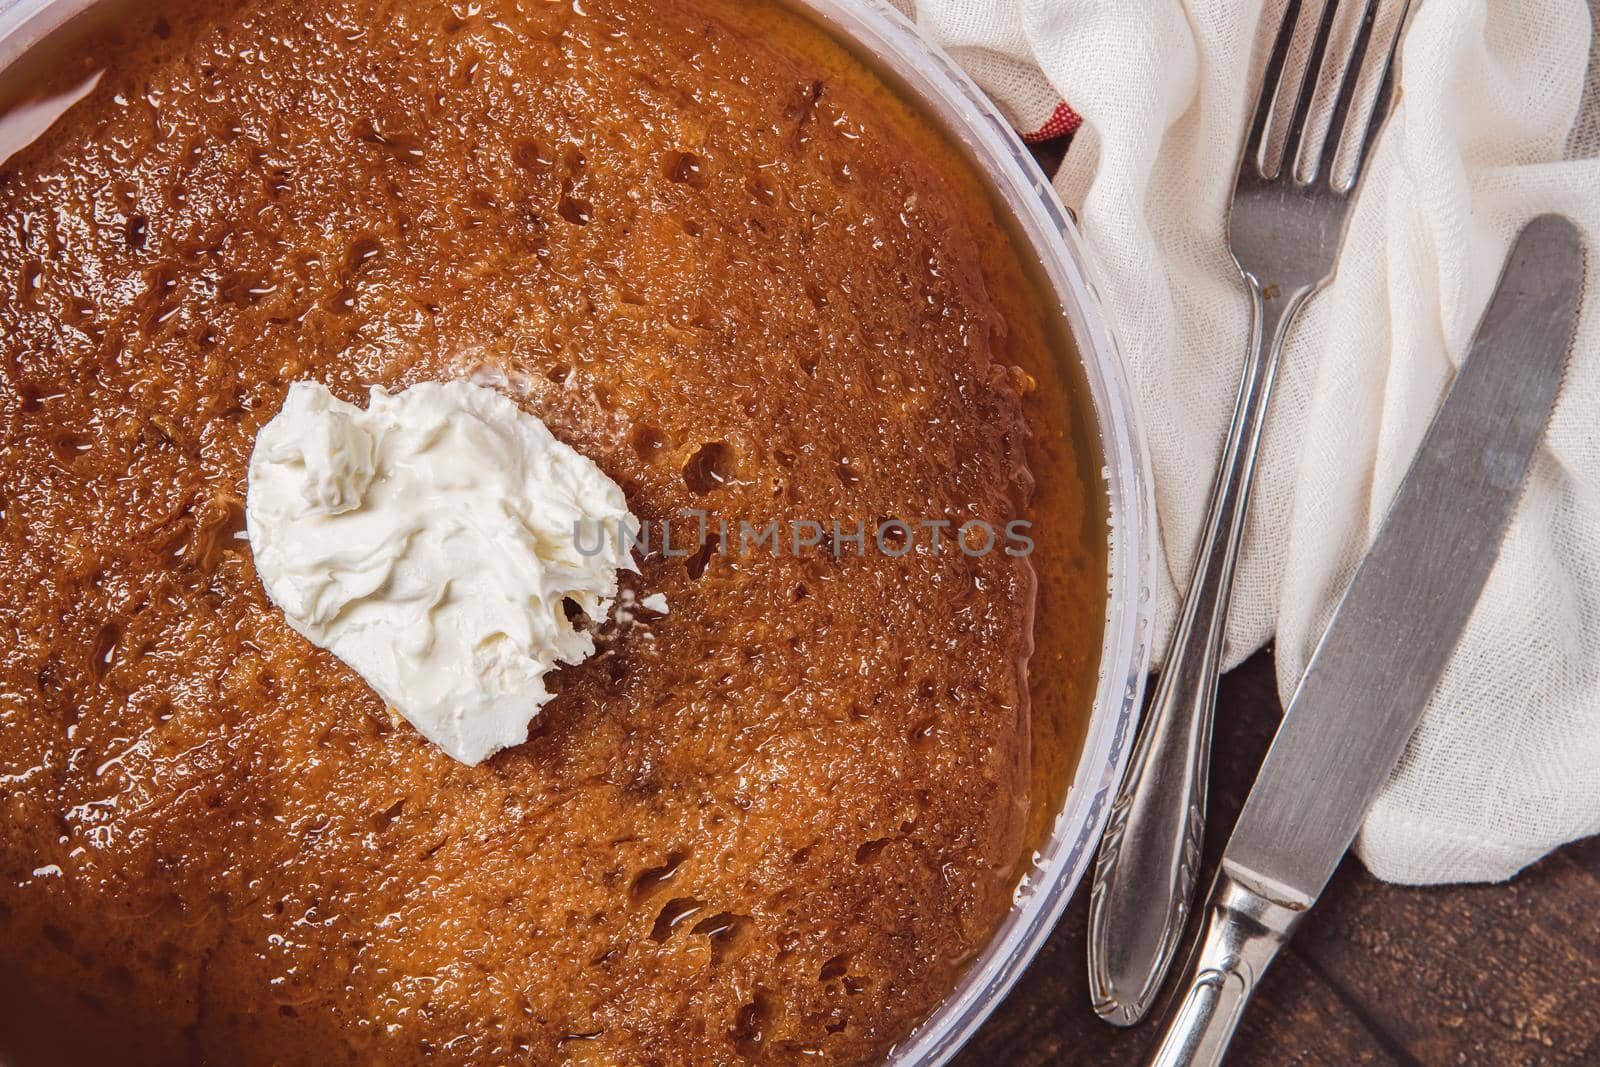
column 1063, row 120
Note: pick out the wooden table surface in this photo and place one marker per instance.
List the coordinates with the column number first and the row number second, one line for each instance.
column 1482, row 975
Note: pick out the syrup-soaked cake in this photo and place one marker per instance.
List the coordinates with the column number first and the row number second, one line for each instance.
column 713, row 254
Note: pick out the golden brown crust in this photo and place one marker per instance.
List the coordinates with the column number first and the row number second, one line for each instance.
column 772, row 823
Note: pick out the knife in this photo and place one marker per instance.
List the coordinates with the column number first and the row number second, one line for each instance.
column 1390, row 638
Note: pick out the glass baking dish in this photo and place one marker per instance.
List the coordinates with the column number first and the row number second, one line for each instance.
column 1049, row 238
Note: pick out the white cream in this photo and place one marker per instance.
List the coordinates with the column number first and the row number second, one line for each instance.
column 429, row 542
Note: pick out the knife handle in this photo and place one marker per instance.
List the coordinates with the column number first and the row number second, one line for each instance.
column 1244, row 931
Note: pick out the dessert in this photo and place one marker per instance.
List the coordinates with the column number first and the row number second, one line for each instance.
column 714, row 255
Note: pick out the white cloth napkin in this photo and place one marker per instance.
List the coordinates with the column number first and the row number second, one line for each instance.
column 1506, row 763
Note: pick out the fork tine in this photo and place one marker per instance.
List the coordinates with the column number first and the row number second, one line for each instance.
column 1380, row 107
column 1269, row 88
column 1347, row 92
column 1308, row 89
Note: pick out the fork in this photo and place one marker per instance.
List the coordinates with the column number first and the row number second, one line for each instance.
column 1285, row 228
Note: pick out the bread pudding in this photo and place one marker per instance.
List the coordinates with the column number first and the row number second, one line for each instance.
column 713, row 253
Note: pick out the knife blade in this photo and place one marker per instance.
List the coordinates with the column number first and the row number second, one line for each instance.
column 1390, row 637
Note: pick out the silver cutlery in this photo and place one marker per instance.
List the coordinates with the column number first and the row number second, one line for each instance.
column 1285, row 228
column 1389, row 641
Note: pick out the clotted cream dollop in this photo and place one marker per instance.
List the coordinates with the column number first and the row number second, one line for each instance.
column 429, row 541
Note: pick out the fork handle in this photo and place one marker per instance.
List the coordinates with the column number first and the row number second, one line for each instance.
column 1145, row 877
